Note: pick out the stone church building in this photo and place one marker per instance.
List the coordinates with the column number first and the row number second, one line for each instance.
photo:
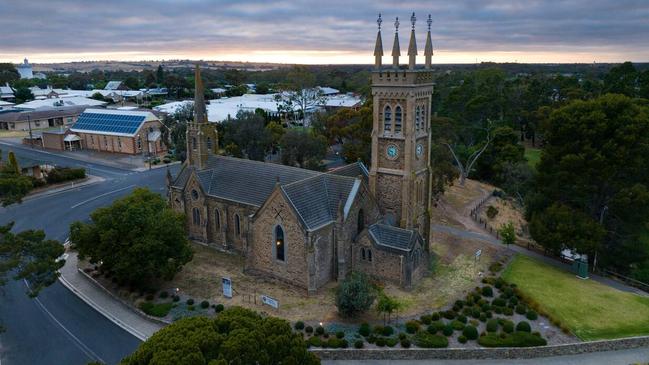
column 308, row 228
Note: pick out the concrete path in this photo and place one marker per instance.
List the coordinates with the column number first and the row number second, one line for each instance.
column 623, row 357
column 103, row 302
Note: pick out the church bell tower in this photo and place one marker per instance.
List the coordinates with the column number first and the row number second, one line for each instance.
column 202, row 139
column 400, row 170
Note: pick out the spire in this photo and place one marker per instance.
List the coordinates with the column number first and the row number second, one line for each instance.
column 396, row 51
column 428, row 50
column 412, row 48
column 199, row 98
column 378, row 48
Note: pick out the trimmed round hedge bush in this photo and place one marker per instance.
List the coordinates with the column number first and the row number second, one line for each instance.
column 391, row 342
column 364, row 330
column 205, row 304
column 175, row 298
column 380, row 342
column 508, row 327
column 340, row 334
column 462, row 339
column 487, row 291
column 319, row 330
column 219, row 308
column 426, row 340
column 523, row 326
column 470, row 332
column 492, row 325
column 308, row 329
column 457, row 325
column 531, row 315
column 412, row 326
column 405, row 343
column 448, row 330
column 299, row 325
column 190, row 301
column 426, row 319
column 516, row 339
column 387, row 331
column 359, row 344
column 521, row 309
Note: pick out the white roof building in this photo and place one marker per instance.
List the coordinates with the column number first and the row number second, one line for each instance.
column 25, row 70
column 61, row 101
column 6, row 92
column 4, row 105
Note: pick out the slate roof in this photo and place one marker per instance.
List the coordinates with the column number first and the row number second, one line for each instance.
column 352, row 170
column 393, row 237
column 317, row 199
column 57, row 112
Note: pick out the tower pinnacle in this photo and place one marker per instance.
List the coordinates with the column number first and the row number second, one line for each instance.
column 396, row 51
column 378, row 48
column 412, row 47
column 200, row 115
column 428, row 50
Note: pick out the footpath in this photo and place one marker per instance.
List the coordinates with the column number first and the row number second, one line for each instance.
column 103, row 302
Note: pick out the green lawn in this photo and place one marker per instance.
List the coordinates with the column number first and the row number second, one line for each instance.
column 591, row 310
column 533, row 156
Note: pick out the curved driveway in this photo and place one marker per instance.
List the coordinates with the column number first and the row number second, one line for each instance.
column 57, row 327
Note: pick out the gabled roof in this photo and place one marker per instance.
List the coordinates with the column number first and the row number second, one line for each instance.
column 316, row 200
column 355, row 169
column 20, row 116
column 393, row 238
column 112, row 122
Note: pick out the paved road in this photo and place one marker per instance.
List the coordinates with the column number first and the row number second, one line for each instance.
column 57, row 327
column 624, row 357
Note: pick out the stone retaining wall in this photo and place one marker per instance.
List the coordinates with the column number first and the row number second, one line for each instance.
column 482, row 353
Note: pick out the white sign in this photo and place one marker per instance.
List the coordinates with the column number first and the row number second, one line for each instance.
column 270, row 301
column 477, row 254
column 227, row 287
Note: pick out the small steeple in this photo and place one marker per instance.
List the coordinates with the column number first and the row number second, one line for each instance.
column 412, row 48
column 378, row 48
column 200, row 115
column 428, row 50
column 396, row 51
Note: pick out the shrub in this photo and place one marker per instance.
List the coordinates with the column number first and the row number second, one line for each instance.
column 315, row 341
column 380, row 342
column 164, row 294
column 434, row 316
column 487, row 291
column 299, row 325
column 450, row 314
column 513, row 301
column 470, row 332
column 498, row 310
column 523, row 326
column 475, row 313
column 325, row 335
column 334, row 343
column 492, row 325
column 156, row 310
column 499, row 302
column 426, row 319
column 492, row 212
column 457, row 325
column 517, row 339
column 340, row 334
column 462, row 339
column 149, row 297
column 205, row 304
column 308, row 329
column 531, row 315
column 364, row 330
column 344, row 344
column 387, row 331
column 219, row 308
column 483, row 317
column 175, row 298
column 499, row 283
column 521, row 309
column 405, row 343
column 319, row 331
column 378, row 329
column 508, row 311
column 462, row 319
column 190, row 301
column 412, row 326
column 61, row 174
column 426, row 340
column 391, row 342
column 448, row 330
column 508, row 327
column 459, row 303
column 495, row 267
column 191, row 307
column 354, row 295
column 371, row 339
column 358, row 344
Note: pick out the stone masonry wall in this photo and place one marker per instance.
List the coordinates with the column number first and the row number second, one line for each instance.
column 384, row 265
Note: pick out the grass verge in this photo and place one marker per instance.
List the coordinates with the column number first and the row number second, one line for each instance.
column 533, row 156
column 592, row 311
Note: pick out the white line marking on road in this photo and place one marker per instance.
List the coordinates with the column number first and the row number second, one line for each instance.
column 82, row 346
column 100, row 196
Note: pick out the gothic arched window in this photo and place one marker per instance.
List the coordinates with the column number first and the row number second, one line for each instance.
column 217, row 219
column 417, row 118
column 416, row 256
column 237, row 225
column 397, row 119
column 360, row 222
column 387, row 118
column 279, row 244
column 193, row 143
column 209, row 143
column 369, row 255
column 196, row 216
column 363, row 253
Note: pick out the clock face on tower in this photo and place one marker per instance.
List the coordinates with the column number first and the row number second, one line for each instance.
column 392, row 152
column 419, row 150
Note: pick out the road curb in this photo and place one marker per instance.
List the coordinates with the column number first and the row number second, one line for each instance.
column 101, row 310
column 91, row 180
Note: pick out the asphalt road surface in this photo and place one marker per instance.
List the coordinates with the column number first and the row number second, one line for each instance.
column 57, row 327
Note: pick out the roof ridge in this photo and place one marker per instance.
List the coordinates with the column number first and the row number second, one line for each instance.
column 266, row 163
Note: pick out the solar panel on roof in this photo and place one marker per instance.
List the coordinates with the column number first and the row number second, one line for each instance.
column 112, row 123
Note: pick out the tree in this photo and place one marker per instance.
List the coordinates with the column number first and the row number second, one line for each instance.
column 466, row 156
column 132, row 83
column 354, row 294
column 593, row 172
column 249, row 134
column 443, row 171
column 98, row 96
column 8, row 73
column 387, row 305
column 138, row 238
column 23, row 94
column 303, row 149
column 159, row 76
column 504, row 149
column 508, row 233
column 13, row 186
column 177, row 125
column 300, row 92
column 235, row 336
column 276, row 131
column 621, row 79
column 30, row 256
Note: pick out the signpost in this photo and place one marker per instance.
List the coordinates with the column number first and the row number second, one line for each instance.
column 477, row 255
column 270, row 301
column 227, row 287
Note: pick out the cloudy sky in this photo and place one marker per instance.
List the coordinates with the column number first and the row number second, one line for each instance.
column 322, row 31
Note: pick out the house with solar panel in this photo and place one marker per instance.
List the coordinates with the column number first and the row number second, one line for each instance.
column 108, row 130
column 309, row 228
